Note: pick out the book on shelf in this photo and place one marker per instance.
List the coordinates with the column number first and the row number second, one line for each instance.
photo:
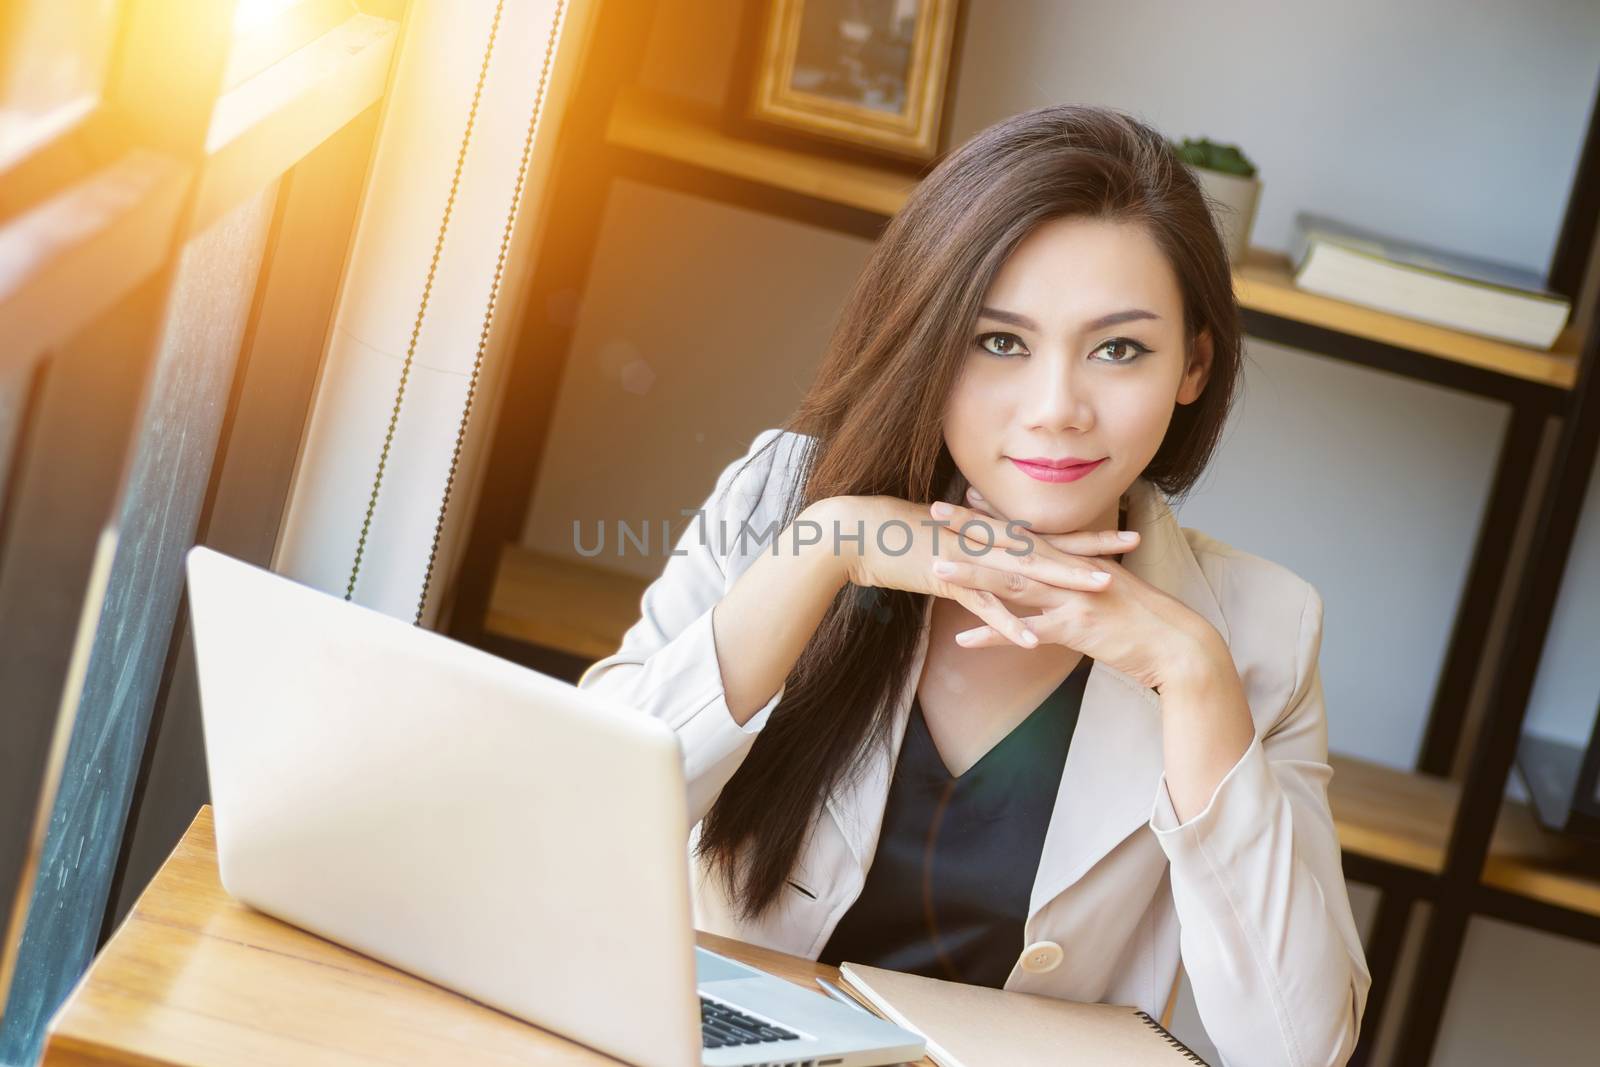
column 979, row 1026
column 1461, row 292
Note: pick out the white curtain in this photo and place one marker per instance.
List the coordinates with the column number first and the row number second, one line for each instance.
column 407, row 288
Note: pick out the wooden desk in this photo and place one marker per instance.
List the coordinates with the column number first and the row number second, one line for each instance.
column 193, row 977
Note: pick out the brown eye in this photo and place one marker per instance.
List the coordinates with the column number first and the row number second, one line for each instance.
column 1009, row 343
column 1130, row 349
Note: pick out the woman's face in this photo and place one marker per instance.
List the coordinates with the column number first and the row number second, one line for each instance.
column 1078, row 354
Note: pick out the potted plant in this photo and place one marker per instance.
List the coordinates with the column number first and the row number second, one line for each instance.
column 1228, row 180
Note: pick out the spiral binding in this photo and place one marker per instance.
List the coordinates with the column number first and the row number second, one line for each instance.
column 1188, row 1053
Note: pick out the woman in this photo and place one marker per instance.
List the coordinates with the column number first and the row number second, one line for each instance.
column 956, row 693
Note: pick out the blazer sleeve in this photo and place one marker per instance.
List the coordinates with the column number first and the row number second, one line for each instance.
column 1266, row 933
column 667, row 663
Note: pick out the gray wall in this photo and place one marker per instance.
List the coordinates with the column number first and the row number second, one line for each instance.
column 1445, row 121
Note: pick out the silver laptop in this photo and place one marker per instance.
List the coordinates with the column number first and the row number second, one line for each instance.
column 479, row 824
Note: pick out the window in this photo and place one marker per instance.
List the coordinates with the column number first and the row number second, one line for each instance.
column 143, row 307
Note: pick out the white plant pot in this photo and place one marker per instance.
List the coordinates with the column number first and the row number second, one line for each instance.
column 1233, row 205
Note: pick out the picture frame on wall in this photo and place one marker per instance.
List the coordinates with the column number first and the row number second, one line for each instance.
column 869, row 79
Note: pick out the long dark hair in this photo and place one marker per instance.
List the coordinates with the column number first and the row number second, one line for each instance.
column 874, row 415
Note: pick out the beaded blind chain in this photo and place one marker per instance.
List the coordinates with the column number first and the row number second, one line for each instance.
column 488, row 312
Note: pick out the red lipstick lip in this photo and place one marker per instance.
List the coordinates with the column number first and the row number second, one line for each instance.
column 1070, row 473
column 1053, row 464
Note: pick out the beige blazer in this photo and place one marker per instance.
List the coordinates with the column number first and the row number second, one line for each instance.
column 1249, row 892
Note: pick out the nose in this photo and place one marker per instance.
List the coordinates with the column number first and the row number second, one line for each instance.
column 1056, row 396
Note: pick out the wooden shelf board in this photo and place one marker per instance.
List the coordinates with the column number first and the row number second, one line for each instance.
column 1392, row 815
column 1264, row 282
column 556, row 603
column 648, row 123
column 1405, row 818
column 1530, row 861
column 1384, row 813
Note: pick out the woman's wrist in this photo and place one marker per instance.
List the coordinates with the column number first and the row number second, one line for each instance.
column 1195, row 662
column 837, row 519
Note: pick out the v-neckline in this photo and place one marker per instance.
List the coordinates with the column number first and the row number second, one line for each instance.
column 950, row 778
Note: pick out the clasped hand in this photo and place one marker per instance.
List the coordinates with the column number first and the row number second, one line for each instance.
column 1031, row 588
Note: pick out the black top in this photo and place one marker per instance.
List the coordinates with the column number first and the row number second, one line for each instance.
column 947, row 893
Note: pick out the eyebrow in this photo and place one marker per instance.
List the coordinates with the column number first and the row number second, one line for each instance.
column 1130, row 315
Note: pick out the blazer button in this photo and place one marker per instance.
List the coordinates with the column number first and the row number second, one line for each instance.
column 1041, row 957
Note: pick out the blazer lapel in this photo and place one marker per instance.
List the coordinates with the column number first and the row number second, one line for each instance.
column 1114, row 763
column 1108, row 786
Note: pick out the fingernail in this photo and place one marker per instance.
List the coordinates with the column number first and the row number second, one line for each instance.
column 944, row 566
column 1127, row 535
column 1030, row 638
column 966, row 637
column 1099, row 577
column 974, row 491
column 941, row 509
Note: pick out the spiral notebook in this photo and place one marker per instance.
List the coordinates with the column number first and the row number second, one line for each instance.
column 979, row 1026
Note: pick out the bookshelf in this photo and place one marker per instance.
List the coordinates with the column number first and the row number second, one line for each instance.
column 1440, row 832
column 648, row 123
column 1264, row 283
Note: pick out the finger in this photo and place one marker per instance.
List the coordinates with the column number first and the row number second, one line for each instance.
column 1084, row 573
column 987, row 606
column 980, row 637
column 986, row 636
column 981, row 510
column 958, row 518
column 1023, row 582
column 1093, row 542
column 1039, row 561
column 1016, row 590
column 1078, row 543
column 979, row 501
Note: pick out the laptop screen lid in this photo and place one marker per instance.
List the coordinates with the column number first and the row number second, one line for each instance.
column 474, row 822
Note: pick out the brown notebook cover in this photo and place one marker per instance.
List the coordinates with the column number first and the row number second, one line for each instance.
column 978, row 1026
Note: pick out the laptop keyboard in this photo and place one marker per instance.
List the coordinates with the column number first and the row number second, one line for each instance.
column 723, row 1027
